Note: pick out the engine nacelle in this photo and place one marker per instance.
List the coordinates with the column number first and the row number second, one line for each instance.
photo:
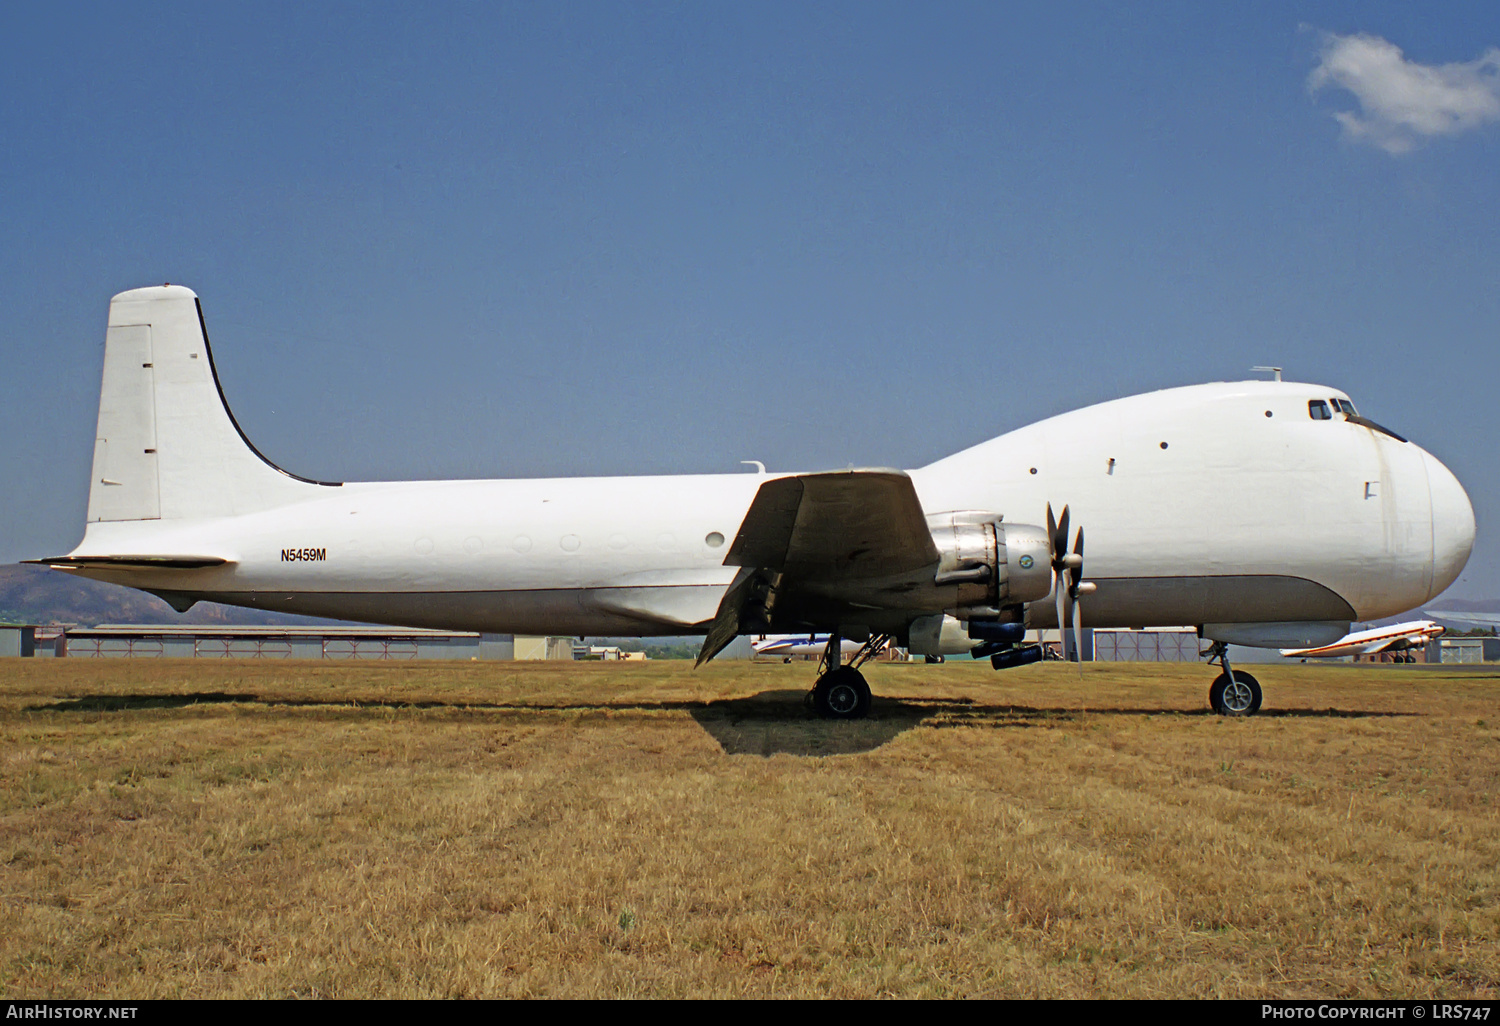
column 986, row 564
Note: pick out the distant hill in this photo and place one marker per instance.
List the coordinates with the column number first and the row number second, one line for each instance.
column 1468, row 605
column 35, row 594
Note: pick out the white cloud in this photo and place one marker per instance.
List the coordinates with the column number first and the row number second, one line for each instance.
column 1403, row 103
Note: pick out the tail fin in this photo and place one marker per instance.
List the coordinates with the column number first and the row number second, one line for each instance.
column 167, row 446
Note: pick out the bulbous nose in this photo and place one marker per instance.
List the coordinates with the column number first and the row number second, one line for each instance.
column 1452, row 524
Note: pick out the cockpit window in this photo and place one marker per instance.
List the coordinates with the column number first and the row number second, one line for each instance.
column 1344, row 406
column 1317, row 409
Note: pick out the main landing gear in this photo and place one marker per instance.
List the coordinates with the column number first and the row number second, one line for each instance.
column 841, row 692
column 1233, row 692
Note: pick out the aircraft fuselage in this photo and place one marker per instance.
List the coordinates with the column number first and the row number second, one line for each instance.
column 1211, row 503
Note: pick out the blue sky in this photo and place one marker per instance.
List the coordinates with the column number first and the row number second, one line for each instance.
column 513, row 240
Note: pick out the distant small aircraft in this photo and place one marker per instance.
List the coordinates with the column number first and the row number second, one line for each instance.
column 1397, row 638
column 785, row 646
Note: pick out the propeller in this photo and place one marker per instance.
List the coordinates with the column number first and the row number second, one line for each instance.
column 1068, row 583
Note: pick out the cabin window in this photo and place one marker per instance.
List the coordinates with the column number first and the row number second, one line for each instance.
column 1317, row 409
column 1345, row 406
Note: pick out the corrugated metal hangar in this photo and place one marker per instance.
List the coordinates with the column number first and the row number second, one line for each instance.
column 1156, row 644
column 187, row 641
column 1148, row 645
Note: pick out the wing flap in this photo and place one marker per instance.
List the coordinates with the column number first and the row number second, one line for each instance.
column 726, row 625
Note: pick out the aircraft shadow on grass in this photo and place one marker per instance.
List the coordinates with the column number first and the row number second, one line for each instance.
column 781, row 721
column 769, row 723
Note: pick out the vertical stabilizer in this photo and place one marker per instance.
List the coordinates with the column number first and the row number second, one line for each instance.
column 167, row 446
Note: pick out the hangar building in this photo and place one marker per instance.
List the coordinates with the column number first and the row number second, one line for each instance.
column 188, row 641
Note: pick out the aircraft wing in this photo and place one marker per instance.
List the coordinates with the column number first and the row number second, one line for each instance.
column 1462, row 620
column 847, row 524
column 818, row 530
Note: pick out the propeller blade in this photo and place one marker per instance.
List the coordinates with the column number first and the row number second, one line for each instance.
column 1078, row 631
column 1075, row 565
column 1062, row 593
column 1067, row 569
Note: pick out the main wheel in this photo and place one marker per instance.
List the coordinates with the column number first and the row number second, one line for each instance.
column 1239, row 697
column 842, row 694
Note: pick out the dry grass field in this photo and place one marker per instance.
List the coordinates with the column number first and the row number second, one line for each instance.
column 270, row 829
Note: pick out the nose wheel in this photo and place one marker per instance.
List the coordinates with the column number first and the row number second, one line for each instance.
column 1237, row 697
column 1233, row 692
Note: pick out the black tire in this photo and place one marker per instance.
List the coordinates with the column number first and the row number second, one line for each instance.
column 842, row 694
column 1241, row 699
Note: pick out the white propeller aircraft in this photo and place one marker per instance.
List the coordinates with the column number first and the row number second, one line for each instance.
column 1266, row 513
column 784, row 646
column 1396, row 638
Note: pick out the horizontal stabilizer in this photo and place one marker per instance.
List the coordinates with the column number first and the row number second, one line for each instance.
column 131, row 562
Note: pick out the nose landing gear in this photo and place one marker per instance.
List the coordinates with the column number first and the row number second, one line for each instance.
column 1233, row 692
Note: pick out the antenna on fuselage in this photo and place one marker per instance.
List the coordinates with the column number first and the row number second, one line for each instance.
column 1274, row 370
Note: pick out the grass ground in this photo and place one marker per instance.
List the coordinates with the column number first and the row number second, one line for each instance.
column 266, row 829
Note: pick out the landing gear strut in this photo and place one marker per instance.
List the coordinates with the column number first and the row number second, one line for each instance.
column 841, row 692
column 1233, row 692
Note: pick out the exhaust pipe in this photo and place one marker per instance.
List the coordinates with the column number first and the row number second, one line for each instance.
column 1016, row 657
